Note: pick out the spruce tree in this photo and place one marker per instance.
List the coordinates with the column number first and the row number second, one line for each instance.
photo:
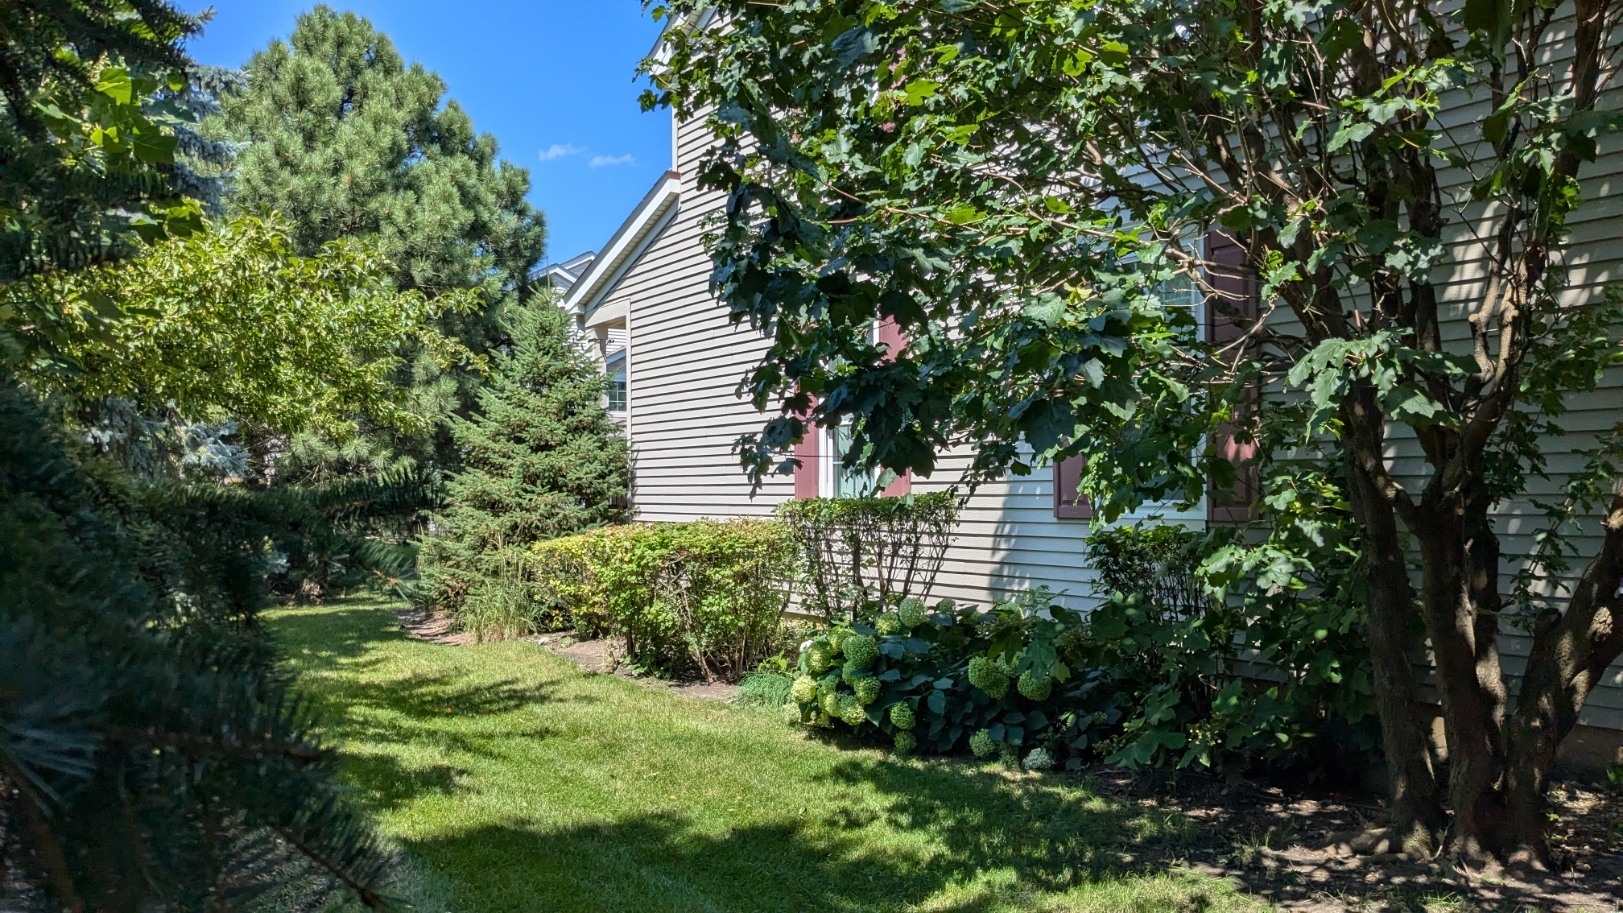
column 153, row 755
column 542, row 459
column 346, row 140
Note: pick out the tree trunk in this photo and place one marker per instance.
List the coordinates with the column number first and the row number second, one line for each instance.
column 1459, row 557
column 1571, row 653
column 1414, row 809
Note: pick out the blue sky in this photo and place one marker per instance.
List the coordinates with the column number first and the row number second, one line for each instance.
column 551, row 79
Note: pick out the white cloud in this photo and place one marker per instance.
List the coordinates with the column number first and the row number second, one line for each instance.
column 598, row 161
column 560, row 150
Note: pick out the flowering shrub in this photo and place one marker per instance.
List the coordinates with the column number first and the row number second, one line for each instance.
column 1160, row 674
column 938, row 680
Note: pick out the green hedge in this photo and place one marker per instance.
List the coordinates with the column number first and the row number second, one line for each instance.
column 860, row 552
column 702, row 598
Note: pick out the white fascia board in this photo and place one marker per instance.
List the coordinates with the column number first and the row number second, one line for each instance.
column 628, row 243
column 661, row 51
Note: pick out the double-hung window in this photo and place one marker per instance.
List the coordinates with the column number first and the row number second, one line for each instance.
column 1237, row 287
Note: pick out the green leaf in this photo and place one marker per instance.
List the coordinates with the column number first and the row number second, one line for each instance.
column 1484, row 15
column 115, row 83
column 1348, row 133
column 1113, row 53
column 920, row 89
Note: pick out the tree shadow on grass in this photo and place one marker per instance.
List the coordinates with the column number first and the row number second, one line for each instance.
column 661, row 861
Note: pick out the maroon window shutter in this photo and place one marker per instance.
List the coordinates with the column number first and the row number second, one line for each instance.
column 1235, row 285
column 894, row 339
column 1069, row 503
column 806, row 452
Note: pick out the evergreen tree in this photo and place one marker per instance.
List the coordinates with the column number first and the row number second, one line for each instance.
column 152, row 755
column 541, row 459
column 346, row 141
column 85, row 167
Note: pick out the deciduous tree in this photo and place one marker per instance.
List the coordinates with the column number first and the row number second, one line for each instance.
column 1016, row 184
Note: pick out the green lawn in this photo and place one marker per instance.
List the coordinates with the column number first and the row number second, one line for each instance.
column 514, row 781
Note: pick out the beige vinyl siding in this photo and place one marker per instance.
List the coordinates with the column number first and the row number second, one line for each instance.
column 1009, row 541
column 686, row 361
column 1594, row 260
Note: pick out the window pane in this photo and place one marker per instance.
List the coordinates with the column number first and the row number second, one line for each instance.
column 848, row 483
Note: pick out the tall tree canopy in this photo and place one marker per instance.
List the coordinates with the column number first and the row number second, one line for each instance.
column 1016, row 185
column 230, row 324
column 347, row 141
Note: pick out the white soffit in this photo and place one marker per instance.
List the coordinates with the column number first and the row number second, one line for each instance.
column 607, row 315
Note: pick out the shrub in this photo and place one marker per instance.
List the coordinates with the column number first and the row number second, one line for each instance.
column 1152, row 677
column 701, row 598
column 861, row 551
column 941, row 683
column 1232, row 677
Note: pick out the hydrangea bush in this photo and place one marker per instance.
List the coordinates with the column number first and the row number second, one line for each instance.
column 1154, row 676
column 949, row 679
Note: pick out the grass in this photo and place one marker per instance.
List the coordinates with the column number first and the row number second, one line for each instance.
column 511, row 780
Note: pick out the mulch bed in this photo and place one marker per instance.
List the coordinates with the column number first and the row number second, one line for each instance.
column 1288, row 848
column 591, row 655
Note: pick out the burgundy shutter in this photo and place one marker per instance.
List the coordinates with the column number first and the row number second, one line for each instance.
column 806, row 472
column 894, row 338
column 806, row 452
column 1236, row 286
column 1069, row 504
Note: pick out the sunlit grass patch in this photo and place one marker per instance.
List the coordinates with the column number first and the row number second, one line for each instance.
column 514, row 781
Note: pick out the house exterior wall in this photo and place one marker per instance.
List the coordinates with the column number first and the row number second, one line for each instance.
column 687, row 359
column 685, row 363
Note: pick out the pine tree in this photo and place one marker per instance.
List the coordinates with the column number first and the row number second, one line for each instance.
column 542, row 459
column 346, row 141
